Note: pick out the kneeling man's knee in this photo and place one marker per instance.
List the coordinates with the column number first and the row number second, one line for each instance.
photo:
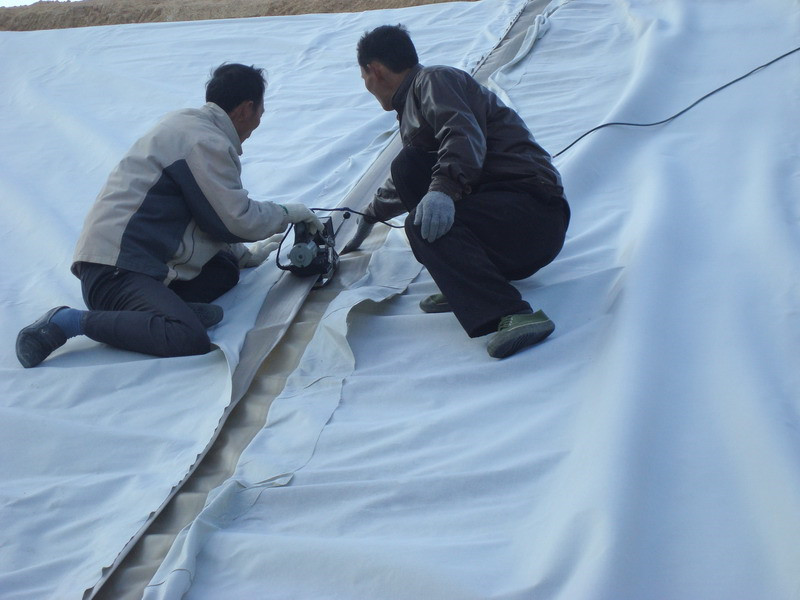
column 185, row 340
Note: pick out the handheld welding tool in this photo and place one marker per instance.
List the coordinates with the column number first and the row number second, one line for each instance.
column 313, row 253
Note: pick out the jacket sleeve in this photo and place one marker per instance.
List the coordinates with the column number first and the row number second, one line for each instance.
column 241, row 253
column 385, row 204
column 459, row 125
column 212, row 187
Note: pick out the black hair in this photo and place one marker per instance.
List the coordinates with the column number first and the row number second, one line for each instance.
column 232, row 83
column 390, row 45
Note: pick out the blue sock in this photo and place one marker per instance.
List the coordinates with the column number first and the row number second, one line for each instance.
column 69, row 321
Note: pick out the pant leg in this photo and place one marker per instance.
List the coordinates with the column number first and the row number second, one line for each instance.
column 412, row 172
column 136, row 312
column 217, row 276
column 496, row 236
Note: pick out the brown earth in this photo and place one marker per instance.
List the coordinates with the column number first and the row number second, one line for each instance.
column 60, row 15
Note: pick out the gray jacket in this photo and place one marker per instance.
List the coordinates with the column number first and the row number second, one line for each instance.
column 175, row 200
column 477, row 138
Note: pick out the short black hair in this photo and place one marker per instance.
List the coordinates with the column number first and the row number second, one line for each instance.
column 390, row 45
column 232, row 83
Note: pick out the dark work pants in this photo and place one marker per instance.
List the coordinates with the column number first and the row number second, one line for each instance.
column 137, row 312
column 498, row 235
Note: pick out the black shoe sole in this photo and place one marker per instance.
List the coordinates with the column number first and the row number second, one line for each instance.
column 434, row 307
column 525, row 336
column 38, row 340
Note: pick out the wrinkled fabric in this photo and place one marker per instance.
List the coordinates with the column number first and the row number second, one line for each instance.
column 649, row 448
column 95, row 439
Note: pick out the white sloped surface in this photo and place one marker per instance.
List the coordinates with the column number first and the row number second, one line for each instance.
column 94, row 439
column 651, row 447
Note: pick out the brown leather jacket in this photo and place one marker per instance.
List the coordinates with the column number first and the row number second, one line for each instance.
column 478, row 139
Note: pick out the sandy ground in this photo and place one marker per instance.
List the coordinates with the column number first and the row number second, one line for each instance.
column 58, row 15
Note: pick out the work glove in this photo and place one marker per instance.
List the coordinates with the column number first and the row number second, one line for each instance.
column 363, row 229
column 435, row 214
column 300, row 213
column 260, row 251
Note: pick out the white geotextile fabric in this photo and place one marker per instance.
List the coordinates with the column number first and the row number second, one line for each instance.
column 94, row 439
column 651, row 447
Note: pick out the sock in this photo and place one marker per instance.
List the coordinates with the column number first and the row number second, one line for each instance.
column 70, row 321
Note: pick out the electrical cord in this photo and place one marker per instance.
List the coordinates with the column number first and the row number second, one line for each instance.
column 344, row 209
column 688, row 108
column 347, row 212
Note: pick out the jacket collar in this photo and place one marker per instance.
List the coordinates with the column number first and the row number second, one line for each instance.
column 400, row 95
column 221, row 119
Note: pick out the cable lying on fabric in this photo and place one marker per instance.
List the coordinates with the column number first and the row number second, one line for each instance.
column 347, row 212
column 685, row 110
column 315, row 254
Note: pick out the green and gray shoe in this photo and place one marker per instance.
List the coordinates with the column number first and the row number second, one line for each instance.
column 435, row 303
column 519, row 331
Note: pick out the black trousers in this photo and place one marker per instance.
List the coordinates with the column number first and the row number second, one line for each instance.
column 498, row 235
column 137, row 312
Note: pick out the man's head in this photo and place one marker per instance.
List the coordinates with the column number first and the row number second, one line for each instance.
column 239, row 91
column 385, row 56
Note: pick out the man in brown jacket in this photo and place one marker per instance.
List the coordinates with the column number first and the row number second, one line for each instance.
column 485, row 202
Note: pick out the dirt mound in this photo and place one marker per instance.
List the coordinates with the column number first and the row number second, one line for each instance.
column 59, row 15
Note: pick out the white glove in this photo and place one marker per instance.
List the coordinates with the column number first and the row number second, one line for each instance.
column 260, row 251
column 300, row 213
column 435, row 213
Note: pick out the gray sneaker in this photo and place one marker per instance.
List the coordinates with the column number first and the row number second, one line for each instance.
column 36, row 341
column 435, row 303
column 519, row 331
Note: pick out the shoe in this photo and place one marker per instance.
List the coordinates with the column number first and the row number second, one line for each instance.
column 36, row 341
column 435, row 303
column 519, row 331
column 209, row 314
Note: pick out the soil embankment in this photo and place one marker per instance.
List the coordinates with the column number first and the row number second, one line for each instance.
column 60, row 15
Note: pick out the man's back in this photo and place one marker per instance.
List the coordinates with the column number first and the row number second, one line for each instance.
column 175, row 200
column 479, row 139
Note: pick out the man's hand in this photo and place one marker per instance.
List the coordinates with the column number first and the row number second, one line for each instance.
column 435, row 213
column 362, row 231
column 260, row 251
column 300, row 213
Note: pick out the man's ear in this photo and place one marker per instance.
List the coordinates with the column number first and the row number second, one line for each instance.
column 242, row 111
column 378, row 69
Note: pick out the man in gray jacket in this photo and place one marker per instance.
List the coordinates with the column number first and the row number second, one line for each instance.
column 485, row 202
column 165, row 236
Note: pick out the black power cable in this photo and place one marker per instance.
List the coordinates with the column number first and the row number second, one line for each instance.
column 344, row 209
column 688, row 108
column 347, row 212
